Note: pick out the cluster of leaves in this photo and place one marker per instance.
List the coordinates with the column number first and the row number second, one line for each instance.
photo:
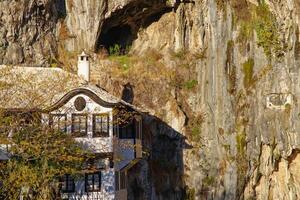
column 266, row 28
column 117, row 50
column 38, row 157
column 241, row 143
column 261, row 20
column 190, row 194
column 191, row 84
column 114, row 50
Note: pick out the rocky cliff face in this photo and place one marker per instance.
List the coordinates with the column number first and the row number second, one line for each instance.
column 27, row 31
column 221, row 75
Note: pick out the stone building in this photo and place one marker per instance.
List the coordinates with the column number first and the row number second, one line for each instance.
column 71, row 104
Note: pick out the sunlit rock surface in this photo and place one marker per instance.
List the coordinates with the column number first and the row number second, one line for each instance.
column 244, row 149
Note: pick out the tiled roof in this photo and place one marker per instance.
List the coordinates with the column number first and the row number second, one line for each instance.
column 38, row 88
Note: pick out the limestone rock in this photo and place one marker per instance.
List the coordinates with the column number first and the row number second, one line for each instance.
column 239, row 148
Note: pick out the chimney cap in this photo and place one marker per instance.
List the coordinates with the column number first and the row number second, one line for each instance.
column 83, row 54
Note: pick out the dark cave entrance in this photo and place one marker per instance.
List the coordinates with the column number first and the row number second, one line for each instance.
column 118, row 32
column 117, row 39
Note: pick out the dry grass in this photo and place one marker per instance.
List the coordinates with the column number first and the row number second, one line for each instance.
column 153, row 75
column 64, row 32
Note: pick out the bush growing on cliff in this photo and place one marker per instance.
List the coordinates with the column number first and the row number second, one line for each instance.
column 267, row 32
column 264, row 23
column 190, row 194
column 194, row 127
column 190, row 84
column 248, row 72
column 114, row 50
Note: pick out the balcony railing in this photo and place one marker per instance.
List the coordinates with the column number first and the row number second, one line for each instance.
column 85, row 196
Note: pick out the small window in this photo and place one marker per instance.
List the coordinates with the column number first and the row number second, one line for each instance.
column 58, row 122
column 101, row 125
column 126, row 131
column 93, row 182
column 80, row 103
column 81, row 58
column 87, row 58
column 67, row 184
column 79, row 125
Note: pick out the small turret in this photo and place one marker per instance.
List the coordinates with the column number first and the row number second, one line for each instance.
column 83, row 66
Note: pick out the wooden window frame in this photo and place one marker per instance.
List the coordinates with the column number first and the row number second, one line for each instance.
column 58, row 115
column 93, row 180
column 68, row 178
column 101, row 133
column 76, row 134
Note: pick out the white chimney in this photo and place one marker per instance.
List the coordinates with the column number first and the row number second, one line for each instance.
column 83, row 66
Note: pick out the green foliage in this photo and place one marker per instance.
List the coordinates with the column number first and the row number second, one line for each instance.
column 194, row 127
column 246, row 32
column 263, row 22
column 114, row 50
column 241, row 143
column 190, row 194
column 190, row 84
column 248, row 72
column 208, row 181
column 117, row 50
column 39, row 156
column 53, row 62
column 267, row 31
column 124, row 61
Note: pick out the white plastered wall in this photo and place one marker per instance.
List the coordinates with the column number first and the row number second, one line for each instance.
column 97, row 144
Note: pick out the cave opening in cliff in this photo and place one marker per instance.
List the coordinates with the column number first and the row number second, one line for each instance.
column 118, row 32
column 117, row 39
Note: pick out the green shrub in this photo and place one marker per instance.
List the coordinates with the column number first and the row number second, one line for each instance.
column 190, row 194
column 262, row 20
column 190, row 84
column 267, row 32
column 114, row 50
column 241, row 143
column 246, row 32
column 194, row 126
column 208, row 181
column 248, row 72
